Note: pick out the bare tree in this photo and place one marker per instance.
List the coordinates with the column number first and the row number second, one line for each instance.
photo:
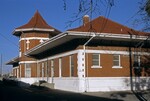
column 145, row 63
column 88, row 7
column 142, row 16
column 147, row 7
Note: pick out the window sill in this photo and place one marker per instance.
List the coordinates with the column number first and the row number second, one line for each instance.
column 96, row 67
column 116, row 67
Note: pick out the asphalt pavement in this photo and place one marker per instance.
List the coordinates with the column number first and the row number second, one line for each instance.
column 15, row 93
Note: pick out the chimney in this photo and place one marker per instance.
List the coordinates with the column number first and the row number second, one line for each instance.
column 86, row 19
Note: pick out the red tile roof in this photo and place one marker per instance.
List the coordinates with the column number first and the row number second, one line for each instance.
column 37, row 21
column 104, row 25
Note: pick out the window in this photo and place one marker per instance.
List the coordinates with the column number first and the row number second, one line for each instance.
column 42, row 70
column 27, row 42
column 60, row 67
column 49, row 68
column 17, row 72
column 28, row 70
column 52, row 63
column 52, row 68
column 71, row 65
column 116, row 61
column 20, row 54
column 136, row 63
column 96, row 60
column 46, row 70
column 38, row 70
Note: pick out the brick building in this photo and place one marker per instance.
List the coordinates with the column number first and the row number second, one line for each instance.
column 96, row 56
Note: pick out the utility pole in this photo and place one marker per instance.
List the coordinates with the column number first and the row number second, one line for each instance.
column 1, row 66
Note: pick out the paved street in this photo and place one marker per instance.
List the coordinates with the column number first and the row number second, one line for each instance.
column 15, row 93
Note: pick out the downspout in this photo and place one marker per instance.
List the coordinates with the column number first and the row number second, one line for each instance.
column 84, row 48
column 130, row 61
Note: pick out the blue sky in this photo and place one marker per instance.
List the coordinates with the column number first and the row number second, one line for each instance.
column 15, row 13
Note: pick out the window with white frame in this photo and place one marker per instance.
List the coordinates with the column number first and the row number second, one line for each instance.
column 52, row 68
column 60, row 67
column 28, row 43
column 46, row 70
column 43, row 70
column 96, row 60
column 17, row 72
column 116, row 61
column 71, row 65
column 136, row 63
column 28, row 70
column 38, row 70
column 20, row 54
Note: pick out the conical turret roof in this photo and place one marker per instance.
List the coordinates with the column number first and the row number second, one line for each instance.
column 36, row 23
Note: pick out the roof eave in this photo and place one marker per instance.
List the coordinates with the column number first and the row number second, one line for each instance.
column 69, row 35
column 17, row 31
column 12, row 61
column 34, row 49
column 110, row 35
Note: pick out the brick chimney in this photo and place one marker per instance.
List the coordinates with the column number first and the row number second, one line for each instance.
column 86, row 19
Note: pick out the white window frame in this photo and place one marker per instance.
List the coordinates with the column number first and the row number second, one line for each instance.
column 60, row 67
column 38, row 70
column 20, row 71
column 20, row 54
column 70, row 58
column 28, row 43
column 137, row 59
column 17, row 72
column 99, row 63
column 52, row 68
column 46, row 72
column 119, row 66
column 26, row 68
column 43, row 70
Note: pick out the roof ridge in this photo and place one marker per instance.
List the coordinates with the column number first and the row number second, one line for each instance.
column 36, row 21
column 109, row 26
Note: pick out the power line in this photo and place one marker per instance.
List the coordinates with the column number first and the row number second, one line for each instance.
column 137, row 14
column 107, row 13
column 8, row 40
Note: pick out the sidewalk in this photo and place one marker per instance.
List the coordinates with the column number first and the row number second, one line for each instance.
column 123, row 95
column 118, row 95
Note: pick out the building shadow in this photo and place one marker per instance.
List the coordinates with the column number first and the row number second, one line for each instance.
column 141, row 87
column 139, row 95
column 11, row 92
